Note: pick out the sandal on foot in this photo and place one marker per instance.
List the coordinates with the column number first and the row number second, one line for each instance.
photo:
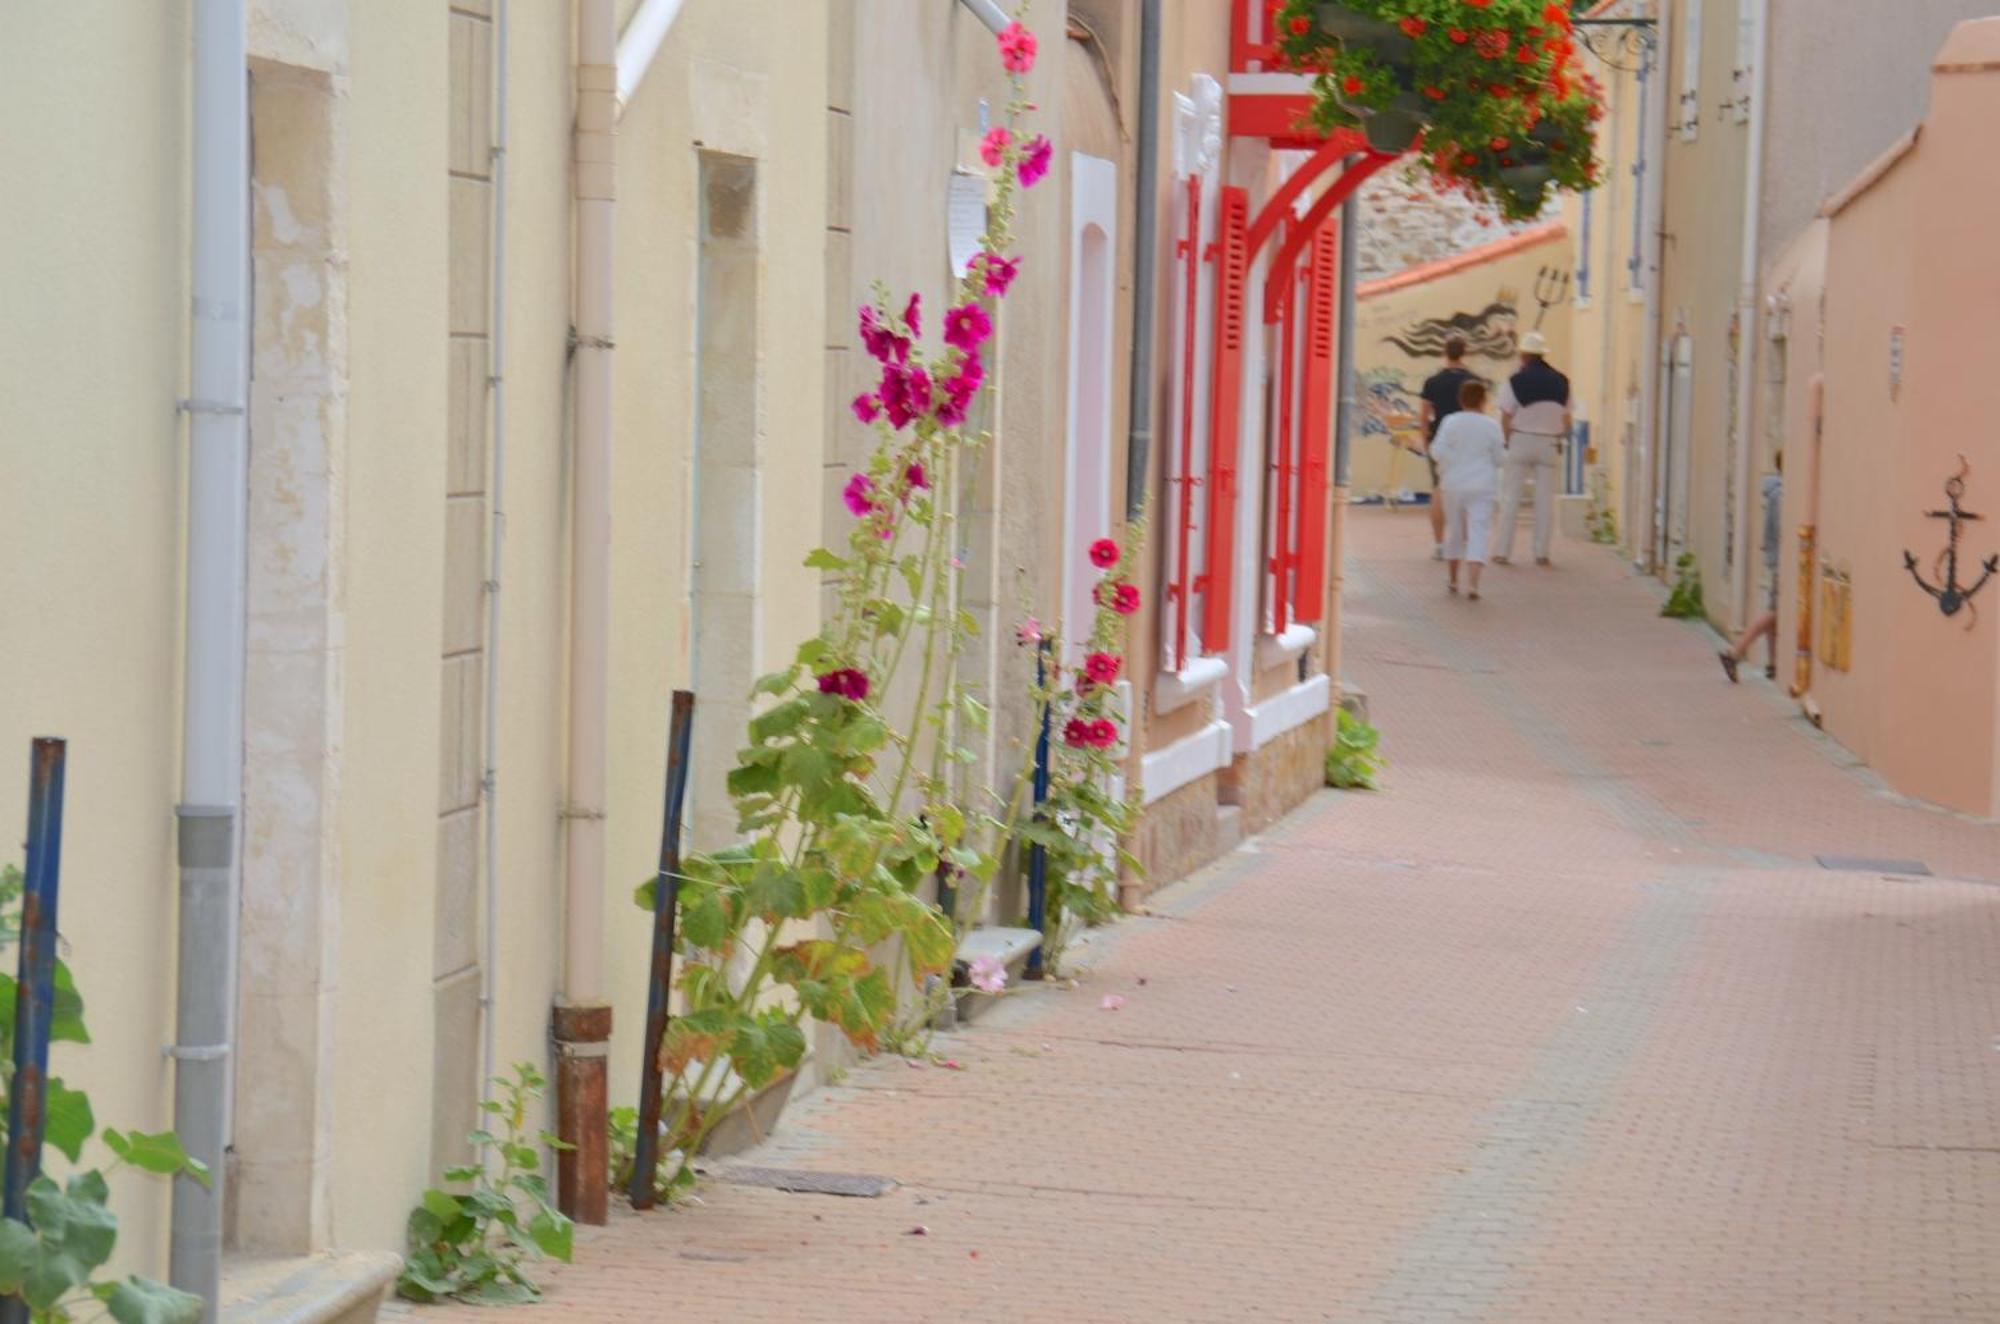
column 1728, row 661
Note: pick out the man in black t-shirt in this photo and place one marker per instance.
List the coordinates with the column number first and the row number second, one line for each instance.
column 1440, row 401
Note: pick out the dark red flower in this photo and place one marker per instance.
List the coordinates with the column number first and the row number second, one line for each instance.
column 845, row 683
column 1104, row 553
column 1413, row 26
column 1352, row 85
column 1077, row 733
column 1460, row 35
column 1102, row 668
column 1125, row 599
column 1301, row 25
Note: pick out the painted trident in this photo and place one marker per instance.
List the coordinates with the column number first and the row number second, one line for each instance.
column 1951, row 597
column 1551, row 288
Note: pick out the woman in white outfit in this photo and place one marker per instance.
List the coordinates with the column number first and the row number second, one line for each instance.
column 1468, row 451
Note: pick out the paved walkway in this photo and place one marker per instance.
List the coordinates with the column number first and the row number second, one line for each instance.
column 1565, row 1024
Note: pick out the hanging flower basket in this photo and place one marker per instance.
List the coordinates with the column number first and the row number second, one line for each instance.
column 1492, row 87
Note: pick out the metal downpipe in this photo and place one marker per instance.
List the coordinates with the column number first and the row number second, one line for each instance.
column 1139, row 437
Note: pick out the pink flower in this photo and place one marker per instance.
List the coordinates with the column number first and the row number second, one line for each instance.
column 1102, row 668
column 859, row 494
column 967, row 326
column 1121, row 598
column 915, row 476
column 1104, row 553
column 866, row 407
column 1112, row 1002
column 1017, row 48
column 1076, row 734
column 845, row 683
column 877, row 339
column 913, row 315
column 905, row 392
column 1035, row 162
column 987, row 974
column 1000, row 273
column 1103, row 732
column 993, row 147
column 1028, row 632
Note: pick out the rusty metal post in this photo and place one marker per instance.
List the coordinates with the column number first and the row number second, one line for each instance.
column 34, row 1006
column 666, row 893
column 583, row 1045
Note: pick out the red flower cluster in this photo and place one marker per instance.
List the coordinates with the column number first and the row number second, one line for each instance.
column 1121, row 598
column 1081, row 733
column 845, row 683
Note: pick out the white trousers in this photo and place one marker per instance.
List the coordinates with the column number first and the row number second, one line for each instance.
column 1528, row 456
column 1468, row 526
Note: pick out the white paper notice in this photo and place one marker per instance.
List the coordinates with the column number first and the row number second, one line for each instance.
column 965, row 208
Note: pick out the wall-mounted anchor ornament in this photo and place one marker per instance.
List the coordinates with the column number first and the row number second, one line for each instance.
column 1952, row 597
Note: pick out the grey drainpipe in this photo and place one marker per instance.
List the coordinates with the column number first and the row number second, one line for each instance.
column 1139, row 442
column 988, row 13
column 1350, row 222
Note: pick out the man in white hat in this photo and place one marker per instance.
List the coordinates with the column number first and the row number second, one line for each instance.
column 1535, row 415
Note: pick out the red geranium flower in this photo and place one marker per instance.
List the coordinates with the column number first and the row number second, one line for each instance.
column 1352, row 85
column 1460, row 35
column 1301, row 25
column 1413, row 26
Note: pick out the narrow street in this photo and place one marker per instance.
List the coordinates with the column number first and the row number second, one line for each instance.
column 1568, row 1022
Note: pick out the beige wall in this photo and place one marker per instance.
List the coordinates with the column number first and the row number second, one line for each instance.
column 1401, row 325
column 92, row 359
column 1905, row 248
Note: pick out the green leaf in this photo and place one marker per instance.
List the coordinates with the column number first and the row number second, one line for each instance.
column 462, row 1172
column 18, row 1251
column 776, row 682
column 778, row 721
column 496, row 1292
column 753, row 779
column 77, row 1235
column 774, row 892
column 442, row 1205
column 143, row 1301
column 553, row 1234
column 160, row 1153
column 820, row 558
column 68, row 1120
column 765, row 1045
column 66, row 1016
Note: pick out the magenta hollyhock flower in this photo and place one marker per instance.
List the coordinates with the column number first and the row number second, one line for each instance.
column 859, row 494
column 913, row 315
column 915, row 476
column 999, row 272
column 967, row 327
column 877, row 339
column 905, row 392
column 1017, row 48
column 1102, row 668
column 993, row 147
column 1125, row 599
column 1103, row 731
column 1076, row 734
column 1035, row 161
column 1028, row 632
column 1104, row 553
column 845, row 683
column 866, row 407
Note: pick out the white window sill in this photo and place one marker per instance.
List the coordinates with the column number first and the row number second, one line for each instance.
column 1178, row 689
column 1277, row 649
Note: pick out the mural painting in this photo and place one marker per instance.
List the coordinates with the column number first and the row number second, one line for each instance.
column 1390, row 389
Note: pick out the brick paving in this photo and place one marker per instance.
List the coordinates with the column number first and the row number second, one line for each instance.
column 1565, row 1024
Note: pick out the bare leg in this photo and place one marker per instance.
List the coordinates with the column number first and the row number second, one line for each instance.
column 1437, row 519
column 1453, row 566
column 1765, row 625
column 1476, row 568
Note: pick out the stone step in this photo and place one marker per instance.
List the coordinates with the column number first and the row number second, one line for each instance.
column 334, row 1287
column 1228, row 828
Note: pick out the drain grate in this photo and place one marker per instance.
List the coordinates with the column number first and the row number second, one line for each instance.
column 1862, row 864
column 859, row 1185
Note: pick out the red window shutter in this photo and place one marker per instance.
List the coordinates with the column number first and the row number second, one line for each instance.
column 1232, row 269
column 1316, row 430
column 1284, row 467
column 1184, row 474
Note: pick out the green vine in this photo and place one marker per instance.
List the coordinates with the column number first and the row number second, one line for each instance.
column 1685, row 602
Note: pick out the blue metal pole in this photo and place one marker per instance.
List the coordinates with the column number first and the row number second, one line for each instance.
column 666, row 894
column 1038, row 855
column 36, row 996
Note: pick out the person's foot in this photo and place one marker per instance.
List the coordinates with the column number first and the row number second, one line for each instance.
column 1728, row 661
column 1542, row 561
column 1454, row 589
column 1437, row 552
column 1503, row 560
column 1771, row 672
column 1474, row 595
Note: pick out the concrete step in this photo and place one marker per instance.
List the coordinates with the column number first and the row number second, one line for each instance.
column 334, row 1287
column 1011, row 947
column 1228, row 828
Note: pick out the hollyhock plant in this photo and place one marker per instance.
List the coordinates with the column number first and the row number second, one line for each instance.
column 999, row 272
column 1104, row 553
column 859, row 494
column 845, row 683
column 1464, row 73
column 1102, row 668
column 993, row 147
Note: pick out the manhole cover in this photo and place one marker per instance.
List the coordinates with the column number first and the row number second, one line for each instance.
column 809, row 1183
column 1862, row 864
